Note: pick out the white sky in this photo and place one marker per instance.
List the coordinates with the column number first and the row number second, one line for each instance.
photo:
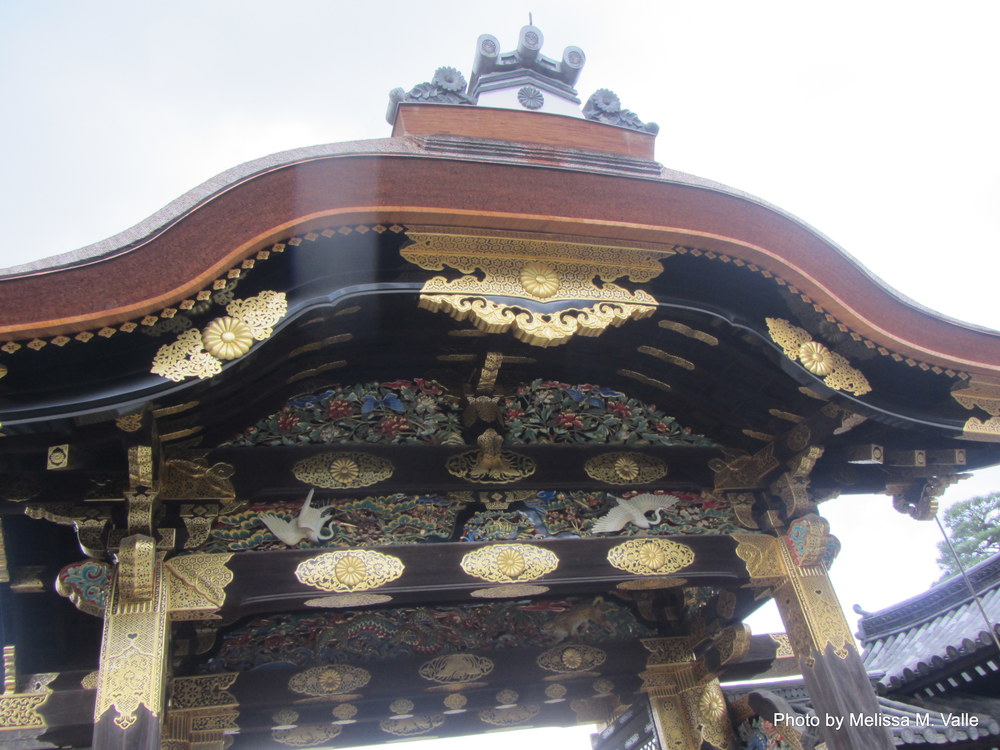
column 876, row 123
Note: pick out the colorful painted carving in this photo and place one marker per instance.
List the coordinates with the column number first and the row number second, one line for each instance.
column 760, row 734
column 574, row 514
column 86, row 584
column 308, row 639
column 402, row 411
column 369, row 521
column 546, row 411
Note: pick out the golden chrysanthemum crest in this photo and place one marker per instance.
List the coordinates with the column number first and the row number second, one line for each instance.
column 200, row 353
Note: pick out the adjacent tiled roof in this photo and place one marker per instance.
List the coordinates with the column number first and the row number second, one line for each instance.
column 793, row 694
column 935, row 634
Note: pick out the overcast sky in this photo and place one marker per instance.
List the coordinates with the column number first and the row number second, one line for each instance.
column 875, row 122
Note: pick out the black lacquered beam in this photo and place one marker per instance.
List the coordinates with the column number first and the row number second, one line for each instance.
column 409, row 574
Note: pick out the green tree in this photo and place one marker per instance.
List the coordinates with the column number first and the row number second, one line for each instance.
column 974, row 528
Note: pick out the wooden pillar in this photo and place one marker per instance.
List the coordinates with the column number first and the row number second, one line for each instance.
column 129, row 709
column 686, row 701
column 842, row 695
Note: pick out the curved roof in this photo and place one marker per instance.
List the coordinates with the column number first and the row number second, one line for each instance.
column 459, row 180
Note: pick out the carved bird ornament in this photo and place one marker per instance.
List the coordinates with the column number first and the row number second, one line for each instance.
column 642, row 510
column 309, row 524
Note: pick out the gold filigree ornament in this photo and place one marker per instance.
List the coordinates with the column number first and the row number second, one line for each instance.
column 521, row 266
column 345, row 470
column 333, row 679
column 509, row 563
column 456, row 669
column 625, row 468
column 510, row 716
column 490, row 464
column 836, row 371
column 348, row 600
column 570, row 658
column 307, row 735
column 198, row 585
column 411, row 726
column 509, row 591
column 201, row 353
column 347, row 571
column 650, row 557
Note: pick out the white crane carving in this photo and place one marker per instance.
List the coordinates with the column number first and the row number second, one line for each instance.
column 642, row 510
column 308, row 525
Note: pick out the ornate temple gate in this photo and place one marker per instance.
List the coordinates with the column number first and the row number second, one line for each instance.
column 450, row 436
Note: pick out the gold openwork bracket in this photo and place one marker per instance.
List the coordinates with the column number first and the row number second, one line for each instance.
column 201, row 353
column 550, row 272
column 798, row 345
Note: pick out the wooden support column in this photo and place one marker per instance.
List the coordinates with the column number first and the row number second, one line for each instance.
column 686, row 701
column 842, row 696
column 129, row 710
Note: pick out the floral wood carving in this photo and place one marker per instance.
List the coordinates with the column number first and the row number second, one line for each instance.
column 400, row 411
column 548, row 411
column 836, row 371
column 537, row 271
column 201, row 353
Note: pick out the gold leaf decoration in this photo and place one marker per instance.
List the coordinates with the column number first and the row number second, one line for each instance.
column 510, row 716
column 197, row 585
column 509, row 591
column 521, row 266
column 307, row 735
column 411, row 726
column 345, row 712
column 575, row 657
column 625, row 468
column 200, row 354
column 333, row 679
column 342, row 470
column 761, row 553
column 227, row 338
column 455, row 702
column 185, row 358
column 490, row 464
column 649, row 557
column 836, row 371
column 555, row 692
column 509, row 563
column 456, row 669
column 538, row 280
column 401, row 706
column 346, row 571
column 260, row 313
column 348, row 600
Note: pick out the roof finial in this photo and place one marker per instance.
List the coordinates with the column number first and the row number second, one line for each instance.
column 530, row 22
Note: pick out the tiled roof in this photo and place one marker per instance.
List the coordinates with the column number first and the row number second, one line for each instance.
column 936, row 636
column 912, row 730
